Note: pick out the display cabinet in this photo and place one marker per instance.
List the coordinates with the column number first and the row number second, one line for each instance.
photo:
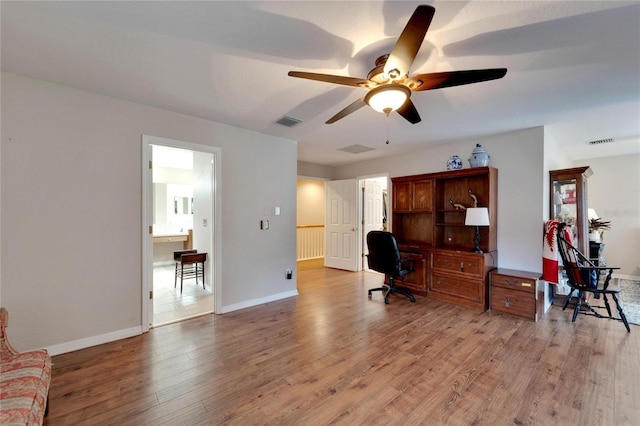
column 428, row 216
column 455, row 191
column 568, row 202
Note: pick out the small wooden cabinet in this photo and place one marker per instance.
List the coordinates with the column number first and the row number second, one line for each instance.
column 518, row 293
column 416, row 281
column 411, row 195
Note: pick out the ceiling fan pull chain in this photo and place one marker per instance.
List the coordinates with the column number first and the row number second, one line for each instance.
column 388, row 129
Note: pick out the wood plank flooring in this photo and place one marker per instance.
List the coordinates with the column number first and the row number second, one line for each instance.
column 333, row 356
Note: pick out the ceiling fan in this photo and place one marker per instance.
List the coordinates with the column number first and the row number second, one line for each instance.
column 389, row 83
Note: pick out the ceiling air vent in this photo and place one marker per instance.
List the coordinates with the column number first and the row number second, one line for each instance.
column 288, row 121
column 600, row 141
column 356, row 149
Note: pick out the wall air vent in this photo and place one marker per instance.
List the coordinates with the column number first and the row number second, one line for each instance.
column 288, row 121
column 600, row 141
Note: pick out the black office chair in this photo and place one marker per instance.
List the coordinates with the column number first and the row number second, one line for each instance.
column 384, row 257
column 585, row 277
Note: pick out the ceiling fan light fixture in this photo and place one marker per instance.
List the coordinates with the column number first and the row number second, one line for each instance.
column 387, row 98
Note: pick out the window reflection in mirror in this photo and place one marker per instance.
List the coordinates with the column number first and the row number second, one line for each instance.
column 182, row 205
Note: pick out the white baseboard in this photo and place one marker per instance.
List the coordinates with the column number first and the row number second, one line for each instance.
column 93, row 341
column 256, row 302
column 135, row 331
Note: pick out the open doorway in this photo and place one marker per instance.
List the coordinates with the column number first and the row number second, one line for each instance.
column 315, row 208
column 180, row 214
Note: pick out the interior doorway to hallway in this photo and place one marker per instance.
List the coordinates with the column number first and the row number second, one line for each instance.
column 180, row 213
column 315, row 204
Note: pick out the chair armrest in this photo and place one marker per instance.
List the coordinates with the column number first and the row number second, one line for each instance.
column 408, row 260
column 5, row 347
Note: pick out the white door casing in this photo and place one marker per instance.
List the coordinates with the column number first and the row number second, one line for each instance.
column 214, row 236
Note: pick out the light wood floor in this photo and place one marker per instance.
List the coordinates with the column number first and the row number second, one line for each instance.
column 333, row 356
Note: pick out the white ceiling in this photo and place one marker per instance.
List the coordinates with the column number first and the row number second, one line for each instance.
column 573, row 66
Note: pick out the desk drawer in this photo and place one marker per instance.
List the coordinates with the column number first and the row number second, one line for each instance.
column 514, row 302
column 456, row 286
column 458, row 262
column 513, row 282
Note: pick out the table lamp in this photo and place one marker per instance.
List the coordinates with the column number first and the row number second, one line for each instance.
column 477, row 216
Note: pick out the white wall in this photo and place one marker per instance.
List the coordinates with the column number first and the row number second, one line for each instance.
column 555, row 158
column 518, row 156
column 71, row 211
column 314, row 170
column 614, row 193
column 310, row 202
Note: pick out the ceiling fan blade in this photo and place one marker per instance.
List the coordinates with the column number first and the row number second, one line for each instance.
column 409, row 112
column 438, row 80
column 353, row 107
column 328, row 78
column 409, row 42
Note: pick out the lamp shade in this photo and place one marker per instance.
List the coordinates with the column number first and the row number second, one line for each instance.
column 478, row 216
column 387, row 98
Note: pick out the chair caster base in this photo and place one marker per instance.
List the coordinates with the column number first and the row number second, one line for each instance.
column 413, row 299
column 386, row 300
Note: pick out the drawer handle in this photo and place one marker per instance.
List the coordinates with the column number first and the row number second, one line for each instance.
column 507, row 301
column 461, row 266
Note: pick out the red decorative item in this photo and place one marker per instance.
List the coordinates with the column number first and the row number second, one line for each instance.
column 570, row 198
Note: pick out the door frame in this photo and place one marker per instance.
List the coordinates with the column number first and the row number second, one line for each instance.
column 147, row 221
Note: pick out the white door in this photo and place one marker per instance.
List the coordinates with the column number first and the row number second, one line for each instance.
column 341, row 227
column 372, row 211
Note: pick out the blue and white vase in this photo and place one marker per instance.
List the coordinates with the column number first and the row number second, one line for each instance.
column 454, row 163
column 479, row 157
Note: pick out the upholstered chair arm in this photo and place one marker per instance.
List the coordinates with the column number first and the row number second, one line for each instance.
column 5, row 347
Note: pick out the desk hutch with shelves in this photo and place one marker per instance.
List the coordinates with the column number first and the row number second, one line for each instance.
column 428, row 222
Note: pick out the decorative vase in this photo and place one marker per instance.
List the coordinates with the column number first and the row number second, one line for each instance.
column 454, row 163
column 479, row 157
